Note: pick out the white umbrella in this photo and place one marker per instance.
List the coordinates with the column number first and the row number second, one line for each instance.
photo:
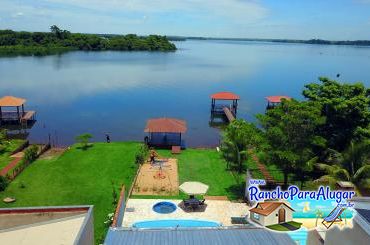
column 194, row 188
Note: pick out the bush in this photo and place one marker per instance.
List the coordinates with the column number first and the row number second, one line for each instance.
column 30, row 154
column 84, row 139
column 142, row 154
column 3, row 183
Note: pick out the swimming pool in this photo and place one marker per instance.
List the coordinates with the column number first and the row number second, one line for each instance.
column 164, row 207
column 173, row 223
column 299, row 236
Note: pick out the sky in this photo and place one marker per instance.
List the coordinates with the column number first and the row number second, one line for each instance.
column 292, row 19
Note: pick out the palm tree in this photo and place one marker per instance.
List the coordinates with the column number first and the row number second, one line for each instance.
column 351, row 165
column 319, row 214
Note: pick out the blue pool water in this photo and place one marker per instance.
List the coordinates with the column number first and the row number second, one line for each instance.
column 299, row 236
column 164, row 207
column 172, row 223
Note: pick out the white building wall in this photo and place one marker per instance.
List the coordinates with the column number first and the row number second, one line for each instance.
column 273, row 218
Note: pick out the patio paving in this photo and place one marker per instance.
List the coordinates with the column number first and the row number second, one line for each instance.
column 216, row 210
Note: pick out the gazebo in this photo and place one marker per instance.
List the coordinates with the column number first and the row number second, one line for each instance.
column 18, row 115
column 224, row 109
column 273, row 101
column 165, row 132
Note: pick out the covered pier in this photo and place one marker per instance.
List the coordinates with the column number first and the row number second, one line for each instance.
column 225, row 108
column 12, row 111
column 273, row 101
column 165, row 132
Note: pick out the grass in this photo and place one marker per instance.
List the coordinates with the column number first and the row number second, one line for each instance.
column 208, row 167
column 279, row 227
column 78, row 177
column 10, row 147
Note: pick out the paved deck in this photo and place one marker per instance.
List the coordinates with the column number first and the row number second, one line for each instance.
column 216, row 210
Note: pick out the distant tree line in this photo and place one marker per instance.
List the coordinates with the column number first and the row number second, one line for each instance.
column 58, row 40
column 311, row 41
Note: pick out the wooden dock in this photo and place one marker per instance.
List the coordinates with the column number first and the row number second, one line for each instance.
column 229, row 115
column 28, row 115
column 17, row 118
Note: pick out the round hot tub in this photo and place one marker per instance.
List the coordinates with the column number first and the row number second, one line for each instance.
column 164, row 207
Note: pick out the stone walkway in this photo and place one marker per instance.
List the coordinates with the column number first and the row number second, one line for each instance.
column 216, row 210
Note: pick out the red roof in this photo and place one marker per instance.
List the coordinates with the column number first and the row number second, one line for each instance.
column 11, row 101
column 165, row 125
column 225, row 96
column 277, row 99
column 266, row 208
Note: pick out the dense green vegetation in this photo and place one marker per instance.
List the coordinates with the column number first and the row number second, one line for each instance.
column 324, row 138
column 78, row 177
column 58, row 41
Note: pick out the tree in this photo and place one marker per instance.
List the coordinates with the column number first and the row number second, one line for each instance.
column 346, row 108
column 351, row 165
column 290, row 130
column 238, row 137
column 84, row 139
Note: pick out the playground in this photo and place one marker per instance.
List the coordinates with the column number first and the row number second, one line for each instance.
column 160, row 178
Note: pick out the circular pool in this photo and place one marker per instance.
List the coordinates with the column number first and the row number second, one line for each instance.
column 164, row 207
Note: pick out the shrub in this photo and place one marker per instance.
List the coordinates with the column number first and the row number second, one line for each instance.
column 3, row 183
column 30, row 154
column 84, row 139
column 142, row 154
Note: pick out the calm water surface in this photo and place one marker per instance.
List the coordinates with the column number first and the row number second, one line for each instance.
column 117, row 92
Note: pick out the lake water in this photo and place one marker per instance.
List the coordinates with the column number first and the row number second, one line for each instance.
column 117, row 92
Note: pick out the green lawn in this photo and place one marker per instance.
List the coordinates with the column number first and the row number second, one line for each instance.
column 279, row 227
column 10, row 147
column 208, row 167
column 77, row 178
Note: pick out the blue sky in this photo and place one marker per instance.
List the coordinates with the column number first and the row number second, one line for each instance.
column 296, row 19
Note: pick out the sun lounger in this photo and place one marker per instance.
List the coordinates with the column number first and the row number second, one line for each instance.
column 239, row 220
column 334, row 216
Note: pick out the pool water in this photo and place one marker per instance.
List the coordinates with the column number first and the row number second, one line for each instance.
column 174, row 223
column 164, row 207
column 299, row 236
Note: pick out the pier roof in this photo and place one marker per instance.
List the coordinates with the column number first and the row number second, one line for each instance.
column 165, row 125
column 277, row 99
column 11, row 101
column 225, row 96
